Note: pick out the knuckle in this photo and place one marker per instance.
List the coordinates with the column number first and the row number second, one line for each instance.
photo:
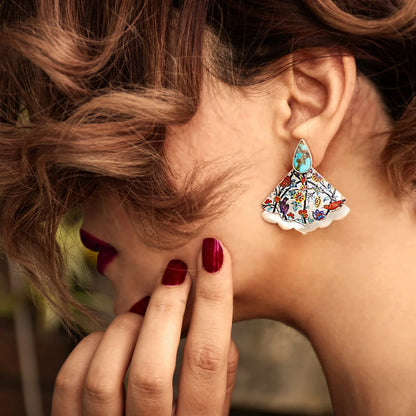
column 99, row 390
column 205, row 360
column 69, row 380
column 150, row 387
column 163, row 306
column 211, row 295
column 65, row 383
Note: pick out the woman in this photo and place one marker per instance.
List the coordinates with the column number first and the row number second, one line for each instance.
column 170, row 123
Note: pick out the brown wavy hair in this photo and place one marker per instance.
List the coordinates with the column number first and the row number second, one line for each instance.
column 88, row 89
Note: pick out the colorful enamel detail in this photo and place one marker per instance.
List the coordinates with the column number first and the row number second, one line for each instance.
column 304, row 201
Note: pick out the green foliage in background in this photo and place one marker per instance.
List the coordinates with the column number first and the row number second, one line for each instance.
column 80, row 274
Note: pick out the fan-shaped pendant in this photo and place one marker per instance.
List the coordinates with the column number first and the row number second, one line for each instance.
column 304, row 200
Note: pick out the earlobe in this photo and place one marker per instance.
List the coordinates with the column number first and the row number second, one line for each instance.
column 319, row 92
column 321, row 87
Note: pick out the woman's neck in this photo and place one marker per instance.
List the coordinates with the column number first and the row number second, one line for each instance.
column 352, row 285
column 363, row 318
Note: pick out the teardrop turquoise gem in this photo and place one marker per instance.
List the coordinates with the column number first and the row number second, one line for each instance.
column 302, row 159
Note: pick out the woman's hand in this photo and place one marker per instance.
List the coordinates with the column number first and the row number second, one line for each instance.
column 91, row 381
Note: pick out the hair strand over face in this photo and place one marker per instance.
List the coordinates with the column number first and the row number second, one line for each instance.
column 88, row 89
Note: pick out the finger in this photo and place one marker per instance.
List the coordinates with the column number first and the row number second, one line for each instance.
column 67, row 395
column 203, row 378
column 149, row 388
column 231, row 375
column 103, row 392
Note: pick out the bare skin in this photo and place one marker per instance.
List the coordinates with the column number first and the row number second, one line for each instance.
column 91, row 380
column 348, row 287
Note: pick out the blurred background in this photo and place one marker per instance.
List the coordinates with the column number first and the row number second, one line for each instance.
column 278, row 373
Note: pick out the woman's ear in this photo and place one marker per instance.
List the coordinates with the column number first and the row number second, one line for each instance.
column 321, row 85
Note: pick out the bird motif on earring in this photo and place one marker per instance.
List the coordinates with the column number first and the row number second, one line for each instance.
column 304, row 200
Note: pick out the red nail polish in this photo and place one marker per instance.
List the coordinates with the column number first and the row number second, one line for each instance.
column 175, row 273
column 141, row 306
column 212, row 255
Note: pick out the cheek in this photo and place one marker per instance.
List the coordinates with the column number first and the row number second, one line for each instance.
column 254, row 244
column 134, row 269
column 135, row 277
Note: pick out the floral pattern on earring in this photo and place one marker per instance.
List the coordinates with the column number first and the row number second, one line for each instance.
column 304, row 200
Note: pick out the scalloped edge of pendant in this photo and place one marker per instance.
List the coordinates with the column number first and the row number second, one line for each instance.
column 304, row 229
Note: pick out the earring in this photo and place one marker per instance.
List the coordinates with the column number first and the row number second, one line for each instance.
column 304, row 200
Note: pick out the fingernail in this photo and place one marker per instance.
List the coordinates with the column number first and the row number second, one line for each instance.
column 212, row 255
column 175, row 273
column 141, row 306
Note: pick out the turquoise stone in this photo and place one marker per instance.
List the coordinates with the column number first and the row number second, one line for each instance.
column 302, row 159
